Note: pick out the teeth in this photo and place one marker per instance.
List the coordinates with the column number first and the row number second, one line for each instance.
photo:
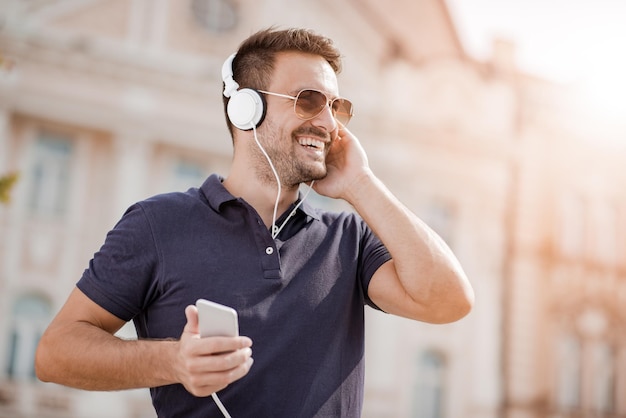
column 311, row 142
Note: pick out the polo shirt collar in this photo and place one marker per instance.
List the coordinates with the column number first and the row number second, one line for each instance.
column 216, row 195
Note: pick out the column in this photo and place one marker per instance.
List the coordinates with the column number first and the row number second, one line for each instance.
column 130, row 171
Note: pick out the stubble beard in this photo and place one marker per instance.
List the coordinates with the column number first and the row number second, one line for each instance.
column 280, row 147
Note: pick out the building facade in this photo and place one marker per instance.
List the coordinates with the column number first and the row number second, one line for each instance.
column 109, row 102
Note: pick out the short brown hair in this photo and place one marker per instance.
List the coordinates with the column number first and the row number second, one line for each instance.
column 254, row 63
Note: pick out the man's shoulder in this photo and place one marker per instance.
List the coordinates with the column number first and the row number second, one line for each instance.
column 192, row 197
column 172, row 204
column 170, row 199
column 174, row 198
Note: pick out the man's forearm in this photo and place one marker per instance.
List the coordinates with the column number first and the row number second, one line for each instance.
column 426, row 267
column 83, row 356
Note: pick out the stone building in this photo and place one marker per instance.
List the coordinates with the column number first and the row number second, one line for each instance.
column 109, row 102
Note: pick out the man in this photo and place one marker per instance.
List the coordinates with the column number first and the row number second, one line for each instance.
column 299, row 277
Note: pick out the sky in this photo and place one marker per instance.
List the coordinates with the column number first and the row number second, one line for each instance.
column 562, row 40
column 579, row 43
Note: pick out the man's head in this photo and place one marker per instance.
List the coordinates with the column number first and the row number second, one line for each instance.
column 253, row 65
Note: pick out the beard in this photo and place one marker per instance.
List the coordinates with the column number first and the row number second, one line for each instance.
column 282, row 148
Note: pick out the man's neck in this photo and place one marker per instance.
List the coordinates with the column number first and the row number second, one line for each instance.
column 261, row 196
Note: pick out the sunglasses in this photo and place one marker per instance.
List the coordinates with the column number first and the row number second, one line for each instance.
column 309, row 103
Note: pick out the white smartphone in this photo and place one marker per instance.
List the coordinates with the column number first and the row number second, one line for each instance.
column 216, row 320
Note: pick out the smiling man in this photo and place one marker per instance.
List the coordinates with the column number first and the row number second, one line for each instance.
column 299, row 277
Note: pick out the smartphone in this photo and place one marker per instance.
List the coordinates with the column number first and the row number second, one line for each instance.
column 216, row 320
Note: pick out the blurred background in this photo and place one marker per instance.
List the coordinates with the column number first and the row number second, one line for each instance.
column 502, row 123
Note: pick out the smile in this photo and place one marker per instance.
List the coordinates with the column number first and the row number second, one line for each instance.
column 312, row 143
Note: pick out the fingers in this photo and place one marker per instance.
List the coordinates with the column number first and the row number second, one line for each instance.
column 191, row 312
column 212, row 373
column 339, row 132
column 207, row 365
column 209, row 346
column 342, row 131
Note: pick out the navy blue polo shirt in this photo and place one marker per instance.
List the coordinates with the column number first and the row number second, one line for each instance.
column 300, row 297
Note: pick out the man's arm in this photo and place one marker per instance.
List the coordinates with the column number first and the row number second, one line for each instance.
column 424, row 280
column 79, row 350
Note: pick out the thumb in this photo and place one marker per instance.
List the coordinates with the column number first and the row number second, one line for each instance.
column 191, row 312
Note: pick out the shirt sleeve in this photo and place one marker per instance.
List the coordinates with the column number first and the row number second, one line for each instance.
column 121, row 275
column 373, row 255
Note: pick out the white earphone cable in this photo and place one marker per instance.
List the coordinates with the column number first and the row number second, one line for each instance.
column 267, row 157
column 293, row 212
column 220, row 405
column 276, row 230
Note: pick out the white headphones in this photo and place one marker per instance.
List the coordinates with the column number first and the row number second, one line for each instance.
column 246, row 107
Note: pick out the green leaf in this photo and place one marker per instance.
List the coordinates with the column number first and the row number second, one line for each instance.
column 6, row 183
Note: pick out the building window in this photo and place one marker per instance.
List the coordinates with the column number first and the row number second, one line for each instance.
column 430, row 385
column 50, row 175
column 568, row 372
column 215, row 15
column 186, row 174
column 604, row 378
column 29, row 318
column 573, row 213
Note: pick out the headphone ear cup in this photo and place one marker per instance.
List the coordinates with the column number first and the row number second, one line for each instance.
column 246, row 109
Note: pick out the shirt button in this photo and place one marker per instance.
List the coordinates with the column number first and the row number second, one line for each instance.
column 269, row 251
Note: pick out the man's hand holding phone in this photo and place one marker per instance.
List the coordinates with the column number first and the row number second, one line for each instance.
column 207, row 365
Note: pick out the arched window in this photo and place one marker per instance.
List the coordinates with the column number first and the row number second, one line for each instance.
column 29, row 317
column 568, row 372
column 603, row 360
column 49, row 175
column 430, row 385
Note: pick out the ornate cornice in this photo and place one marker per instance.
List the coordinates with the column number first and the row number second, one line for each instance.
column 110, row 59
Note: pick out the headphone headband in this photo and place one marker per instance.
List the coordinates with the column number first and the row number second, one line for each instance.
column 246, row 107
column 230, row 85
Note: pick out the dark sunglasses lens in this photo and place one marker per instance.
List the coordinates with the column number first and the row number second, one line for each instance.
column 342, row 109
column 310, row 103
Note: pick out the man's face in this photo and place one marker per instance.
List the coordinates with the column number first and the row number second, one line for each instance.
column 298, row 148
